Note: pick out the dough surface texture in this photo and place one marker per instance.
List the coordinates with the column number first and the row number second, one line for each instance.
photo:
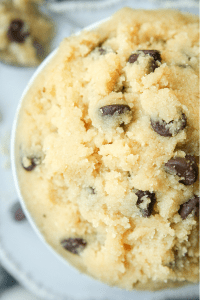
column 107, row 150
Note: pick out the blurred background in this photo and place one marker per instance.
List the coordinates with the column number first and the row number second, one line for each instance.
column 27, row 269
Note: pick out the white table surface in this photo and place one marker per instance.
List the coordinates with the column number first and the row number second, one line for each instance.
column 21, row 252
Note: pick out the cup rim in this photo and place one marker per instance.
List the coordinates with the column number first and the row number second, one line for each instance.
column 78, row 5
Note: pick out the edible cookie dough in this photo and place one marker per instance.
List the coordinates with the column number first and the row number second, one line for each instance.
column 25, row 33
column 107, row 147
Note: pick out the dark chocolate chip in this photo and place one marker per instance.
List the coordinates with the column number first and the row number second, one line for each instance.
column 17, row 212
column 133, row 58
column 164, row 129
column 16, row 31
column 114, row 108
column 32, row 162
column 185, row 167
column 153, row 65
column 74, row 245
column 19, row 215
column 102, row 51
column 92, row 190
column 187, row 207
column 146, row 212
column 153, row 53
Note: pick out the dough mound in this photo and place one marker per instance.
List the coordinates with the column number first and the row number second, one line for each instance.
column 107, row 147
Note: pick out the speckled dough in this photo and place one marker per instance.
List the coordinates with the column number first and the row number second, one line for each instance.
column 25, row 33
column 107, row 147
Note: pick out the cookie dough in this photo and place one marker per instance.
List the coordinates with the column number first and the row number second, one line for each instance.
column 107, row 147
column 25, row 33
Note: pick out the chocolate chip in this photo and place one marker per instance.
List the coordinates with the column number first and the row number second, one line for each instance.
column 114, row 109
column 92, row 190
column 102, row 51
column 153, row 65
column 29, row 163
column 74, row 245
column 133, row 58
column 19, row 215
column 16, row 31
column 17, row 212
column 185, row 167
column 142, row 195
column 155, row 54
column 187, row 207
column 168, row 129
